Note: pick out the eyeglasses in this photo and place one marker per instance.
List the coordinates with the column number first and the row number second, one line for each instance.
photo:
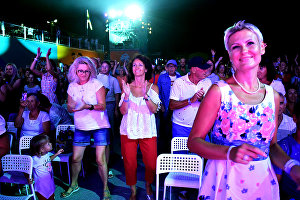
column 83, row 71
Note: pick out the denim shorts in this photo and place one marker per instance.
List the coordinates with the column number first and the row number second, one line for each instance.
column 83, row 138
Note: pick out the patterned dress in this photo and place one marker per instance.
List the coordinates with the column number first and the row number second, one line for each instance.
column 48, row 85
column 239, row 123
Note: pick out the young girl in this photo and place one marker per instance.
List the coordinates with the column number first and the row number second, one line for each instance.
column 40, row 147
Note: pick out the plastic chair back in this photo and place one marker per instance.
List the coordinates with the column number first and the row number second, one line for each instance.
column 179, row 144
column 184, row 170
column 24, row 143
column 11, row 165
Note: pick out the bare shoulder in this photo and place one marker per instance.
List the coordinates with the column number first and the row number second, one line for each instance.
column 213, row 92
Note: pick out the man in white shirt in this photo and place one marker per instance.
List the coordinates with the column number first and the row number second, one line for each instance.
column 186, row 95
column 287, row 126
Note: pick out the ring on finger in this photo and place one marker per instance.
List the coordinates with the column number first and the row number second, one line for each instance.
column 246, row 157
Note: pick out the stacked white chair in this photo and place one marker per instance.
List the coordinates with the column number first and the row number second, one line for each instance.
column 179, row 144
column 184, row 170
column 14, row 166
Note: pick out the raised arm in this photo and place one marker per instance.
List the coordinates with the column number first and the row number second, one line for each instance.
column 33, row 64
column 114, row 69
column 19, row 119
column 49, row 66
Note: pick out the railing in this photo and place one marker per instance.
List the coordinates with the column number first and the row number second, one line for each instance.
column 28, row 33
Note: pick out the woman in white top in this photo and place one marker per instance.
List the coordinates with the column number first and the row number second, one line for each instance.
column 86, row 99
column 139, row 101
column 32, row 121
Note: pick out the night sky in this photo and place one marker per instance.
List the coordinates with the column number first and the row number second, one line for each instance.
column 180, row 27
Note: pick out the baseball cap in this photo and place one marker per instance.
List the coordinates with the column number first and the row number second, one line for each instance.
column 197, row 61
column 172, row 62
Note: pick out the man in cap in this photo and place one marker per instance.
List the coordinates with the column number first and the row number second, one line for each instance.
column 165, row 82
column 186, row 96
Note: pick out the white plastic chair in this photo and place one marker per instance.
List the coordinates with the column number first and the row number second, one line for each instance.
column 11, row 128
column 65, row 157
column 24, row 143
column 14, row 166
column 179, row 144
column 184, row 171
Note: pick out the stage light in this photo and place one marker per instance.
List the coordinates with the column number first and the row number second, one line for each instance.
column 133, row 12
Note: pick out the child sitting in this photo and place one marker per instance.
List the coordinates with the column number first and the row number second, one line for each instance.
column 40, row 147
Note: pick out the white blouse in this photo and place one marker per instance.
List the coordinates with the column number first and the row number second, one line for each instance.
column 139, row 122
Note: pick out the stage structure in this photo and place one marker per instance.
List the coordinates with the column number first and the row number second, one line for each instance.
column 128, row 29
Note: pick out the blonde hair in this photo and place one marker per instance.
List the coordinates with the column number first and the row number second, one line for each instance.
column 72, row 75
column 240, row 25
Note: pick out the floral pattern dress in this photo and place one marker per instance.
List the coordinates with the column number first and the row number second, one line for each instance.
column 48, row 85
column 239, row 123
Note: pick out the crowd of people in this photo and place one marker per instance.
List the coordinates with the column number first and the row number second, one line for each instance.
column 242, row 115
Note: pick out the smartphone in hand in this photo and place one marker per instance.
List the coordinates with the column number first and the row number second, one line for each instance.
column 24, row 96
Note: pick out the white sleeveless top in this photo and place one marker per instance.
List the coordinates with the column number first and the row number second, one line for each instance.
column 139, row 122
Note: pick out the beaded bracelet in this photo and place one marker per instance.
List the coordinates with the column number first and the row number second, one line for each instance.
column 289, row 164
column 228, row 152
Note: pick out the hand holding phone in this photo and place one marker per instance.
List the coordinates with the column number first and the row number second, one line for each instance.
column 24, row 96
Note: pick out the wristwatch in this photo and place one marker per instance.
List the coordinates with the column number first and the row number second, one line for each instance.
column 189, row 101
column 92, row 107
column 146, row 99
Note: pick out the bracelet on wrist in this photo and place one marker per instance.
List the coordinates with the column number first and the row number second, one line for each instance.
column 189, row 101
column 126, row 100
column 36, row 59
column 289, row 164
column 228, row 152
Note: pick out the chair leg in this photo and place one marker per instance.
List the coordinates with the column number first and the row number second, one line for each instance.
column 68, row 165
column 60, row 168
column 33, row 192
column 157, row 187
column 164, row 192
column 170, row 192
column 27, row 188
column 82, row 169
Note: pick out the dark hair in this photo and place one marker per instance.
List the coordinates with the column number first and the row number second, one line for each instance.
column 37, row 142
column 107, row 62
column 44, row 101
column 271, row 72
column 34, row 94
column 148, row 66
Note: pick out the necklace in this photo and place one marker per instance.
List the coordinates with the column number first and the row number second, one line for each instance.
column 249, row 92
